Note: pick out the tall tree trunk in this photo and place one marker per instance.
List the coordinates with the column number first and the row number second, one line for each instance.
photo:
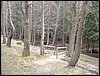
column 76, row 55
column 30, row 21
column 23, row 12
column 34, row 29
column 9, row 38
column 48, row 33
column 21, row 26
column 22, row 29
column 32, row 36
column 6, row 21
column 73, row 30
column 87, row 46
column 93, row 46
column 3, row 23
column 20, row 32
column 56, row 25
column 26, row 51
column 42, row 34
column 33, row 33
column 63, row 35
column 12, row 31
column 48, row 30
column 81, row 42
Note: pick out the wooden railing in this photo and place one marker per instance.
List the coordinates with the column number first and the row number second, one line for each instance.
column 56, row 49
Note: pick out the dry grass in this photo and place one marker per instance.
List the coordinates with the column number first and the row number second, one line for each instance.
column 12, row 62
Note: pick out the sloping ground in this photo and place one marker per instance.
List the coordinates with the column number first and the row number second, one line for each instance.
column 12, row 63
column 89, row 67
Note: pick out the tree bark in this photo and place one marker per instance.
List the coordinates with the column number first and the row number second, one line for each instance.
column 56, row 25
column 63, row 35
column 30, row 21
column 3, row 22
column 76, row 55
column 34, row 29
column 42, row 34
column 6, row 21
column 12, row 28
column 87, row 46
column 23, row 12
column 26, row 51
column 48, row 33
column 73, row 30
column 48, row 30
column 20, row 33
column 9, row 38
column 34, row 33
column 32, row 36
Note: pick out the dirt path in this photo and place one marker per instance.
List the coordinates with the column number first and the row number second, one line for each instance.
column 12, row 63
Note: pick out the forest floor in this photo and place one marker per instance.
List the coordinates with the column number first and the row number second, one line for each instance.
column 12, row 62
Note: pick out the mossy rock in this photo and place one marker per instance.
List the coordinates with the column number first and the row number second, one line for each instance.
column 25, row 53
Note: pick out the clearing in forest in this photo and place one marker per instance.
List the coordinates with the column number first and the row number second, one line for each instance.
column 12, row 62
